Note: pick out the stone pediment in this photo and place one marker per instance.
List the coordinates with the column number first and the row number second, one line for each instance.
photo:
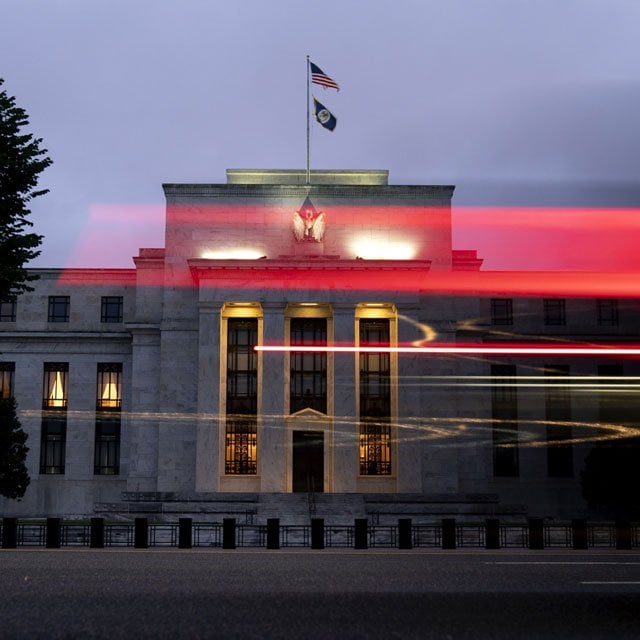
column 307, row 416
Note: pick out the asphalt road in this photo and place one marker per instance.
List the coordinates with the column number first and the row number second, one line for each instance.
column 158, row 594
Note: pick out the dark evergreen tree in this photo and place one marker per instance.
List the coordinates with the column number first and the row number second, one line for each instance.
column 14, row 477
column 21, row 162
column 611, row 478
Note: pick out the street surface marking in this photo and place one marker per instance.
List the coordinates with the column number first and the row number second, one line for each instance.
column 562, row 562
column 610, row 582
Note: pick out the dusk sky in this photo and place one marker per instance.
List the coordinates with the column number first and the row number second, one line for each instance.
column 516, row 102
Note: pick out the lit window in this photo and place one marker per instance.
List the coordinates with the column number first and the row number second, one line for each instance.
column 501, row 311
column 242, row 397
column 111, row 310
column 607, row 313
column 108, row 405
column 375, row 400
column 109, row 385
column 55, row 385
column 8, row 311
column 554, row 312
column 7, row 370
column 241, row 453
column 58, row 309
column 54, row 418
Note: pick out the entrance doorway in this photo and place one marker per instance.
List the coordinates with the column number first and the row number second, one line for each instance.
column 308, row 461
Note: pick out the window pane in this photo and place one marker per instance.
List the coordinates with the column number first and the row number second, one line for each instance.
column 241, row 447
column 501, row 311
column 52, row 443
column 7, row 370
column 109, row 386
column 107, row 445
column 504, row 408
column 8, row 311
column 558, row 419
column 308, row 375
column 111, row 309
column 55, row 385
column 375, row 400
column 58, row 309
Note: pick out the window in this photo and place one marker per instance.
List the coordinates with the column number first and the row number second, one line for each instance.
column 612, row 407
column 242, row 397
column 607, row 313
column 55, row 385
column 107, row 446
column 375, row 400
column 7, row 370
column 242, row 366
column 8, row 311
column 554, row 311
column 58, row 309
column 109, row 386
column 108, row 419
column 558, row 419
column 54, row 418
column 502, row 311
column 504, row 410
column 111, row 309
column 308, row 377
column 241, row 447
column 53, row 442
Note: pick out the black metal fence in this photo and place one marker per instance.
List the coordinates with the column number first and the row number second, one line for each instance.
column 446, row 534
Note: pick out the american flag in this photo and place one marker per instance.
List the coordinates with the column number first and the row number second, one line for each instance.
column 318, row 76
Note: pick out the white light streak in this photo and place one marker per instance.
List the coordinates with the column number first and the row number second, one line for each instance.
column 480, row 350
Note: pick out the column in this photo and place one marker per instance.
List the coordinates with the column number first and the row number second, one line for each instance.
column 273, row 441
column 345, row 429
column 208, row 427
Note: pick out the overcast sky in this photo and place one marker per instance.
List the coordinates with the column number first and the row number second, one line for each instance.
column 516, row 102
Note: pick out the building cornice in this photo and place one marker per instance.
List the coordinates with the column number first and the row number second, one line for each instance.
column 177, row 192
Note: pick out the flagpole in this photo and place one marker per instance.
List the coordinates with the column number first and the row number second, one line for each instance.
column 308, row 169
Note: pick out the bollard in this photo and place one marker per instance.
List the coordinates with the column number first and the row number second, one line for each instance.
column 623, row 535
column 273, row 533
column 536, row 533
column 9, row 533
column 141, row 534
column 53, row 533
column 228, row 533
column 360, row 537
column 96, row 540
column 404, row 533
column 184, row 533
column 317, row 533
column 492, row 533
column 579, row 534
column 448, row 533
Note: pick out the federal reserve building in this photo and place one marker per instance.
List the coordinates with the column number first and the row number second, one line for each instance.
column 321, row 338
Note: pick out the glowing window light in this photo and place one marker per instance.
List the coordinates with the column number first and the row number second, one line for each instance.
column 382, row 250
column 110, row 395
column 233, row 254
column 109, row 385
column 56, row 393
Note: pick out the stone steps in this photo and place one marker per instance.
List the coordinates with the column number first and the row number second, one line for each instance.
column 294, row 508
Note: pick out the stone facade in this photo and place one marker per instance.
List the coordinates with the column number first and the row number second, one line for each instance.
column 231, row 252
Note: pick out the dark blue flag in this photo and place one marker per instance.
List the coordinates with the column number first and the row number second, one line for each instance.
column 324, row 116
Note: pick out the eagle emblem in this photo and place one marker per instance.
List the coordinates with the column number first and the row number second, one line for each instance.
column 307, row 225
